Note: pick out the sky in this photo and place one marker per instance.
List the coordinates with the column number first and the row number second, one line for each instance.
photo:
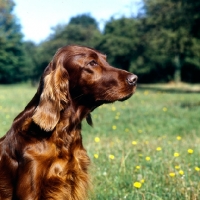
column 37, row 17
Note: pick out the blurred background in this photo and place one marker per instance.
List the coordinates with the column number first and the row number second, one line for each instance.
column 158, row 40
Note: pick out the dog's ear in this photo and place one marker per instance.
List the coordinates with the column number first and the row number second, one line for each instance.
column 53, row 98
column 89, row 119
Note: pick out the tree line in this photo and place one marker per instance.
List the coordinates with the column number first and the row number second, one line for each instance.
column 160, row 44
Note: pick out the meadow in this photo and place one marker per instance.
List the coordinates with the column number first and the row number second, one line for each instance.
column 145, row 148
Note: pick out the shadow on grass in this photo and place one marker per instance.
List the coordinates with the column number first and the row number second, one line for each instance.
column 180, row 88
column 171, row 88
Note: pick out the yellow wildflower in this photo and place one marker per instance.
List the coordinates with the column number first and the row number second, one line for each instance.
column 126, row 130
column 176, row 154
column 137, row 185
column 134, row 142
column 158, row 149
column 148, row 158
column 137, row 167
column 96, row 155
column 114, row 127
column 172, row 174
column 113, row 108
column 190, row 151
column 139, row 131
column 181, row 172
column 142, row 181
column 112, row 157
column 97, row 139
column 178, row 137
column 177, row 167
column 164, row 109
column 197, row 169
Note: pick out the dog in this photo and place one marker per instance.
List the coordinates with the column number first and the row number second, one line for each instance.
column 42, row 155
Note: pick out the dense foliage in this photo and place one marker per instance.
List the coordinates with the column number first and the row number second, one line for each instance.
column 12, row 56
column 161, row 44
column 172, row 37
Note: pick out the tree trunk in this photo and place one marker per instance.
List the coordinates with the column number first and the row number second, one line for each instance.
column 177, row 72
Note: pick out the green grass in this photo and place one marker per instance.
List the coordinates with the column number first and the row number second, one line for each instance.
column 130, row 132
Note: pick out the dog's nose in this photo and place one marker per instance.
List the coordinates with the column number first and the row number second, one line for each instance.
column 132, row 79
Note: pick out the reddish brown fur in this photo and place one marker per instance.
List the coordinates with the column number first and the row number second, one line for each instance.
column 42, row 155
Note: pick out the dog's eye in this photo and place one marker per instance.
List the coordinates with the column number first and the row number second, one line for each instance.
column 93, row 63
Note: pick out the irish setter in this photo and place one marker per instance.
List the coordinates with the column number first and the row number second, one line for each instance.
column 42, row 155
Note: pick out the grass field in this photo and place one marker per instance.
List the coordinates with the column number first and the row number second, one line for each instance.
column 146, row 148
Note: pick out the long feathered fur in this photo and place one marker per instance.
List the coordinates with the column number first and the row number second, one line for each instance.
column 42, row 155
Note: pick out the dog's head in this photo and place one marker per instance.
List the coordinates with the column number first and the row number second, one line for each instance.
column 81, row 76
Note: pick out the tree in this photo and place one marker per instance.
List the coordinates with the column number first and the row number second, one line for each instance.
column 32, row 62
column 191, row 67
column 84, row 20
column 169, row 35
column 120, row 41
column 12, row 59
column 81, row 30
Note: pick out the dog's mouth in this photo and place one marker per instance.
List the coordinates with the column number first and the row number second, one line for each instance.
column 129, row 95
column 100, row 102
column 126, row 97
